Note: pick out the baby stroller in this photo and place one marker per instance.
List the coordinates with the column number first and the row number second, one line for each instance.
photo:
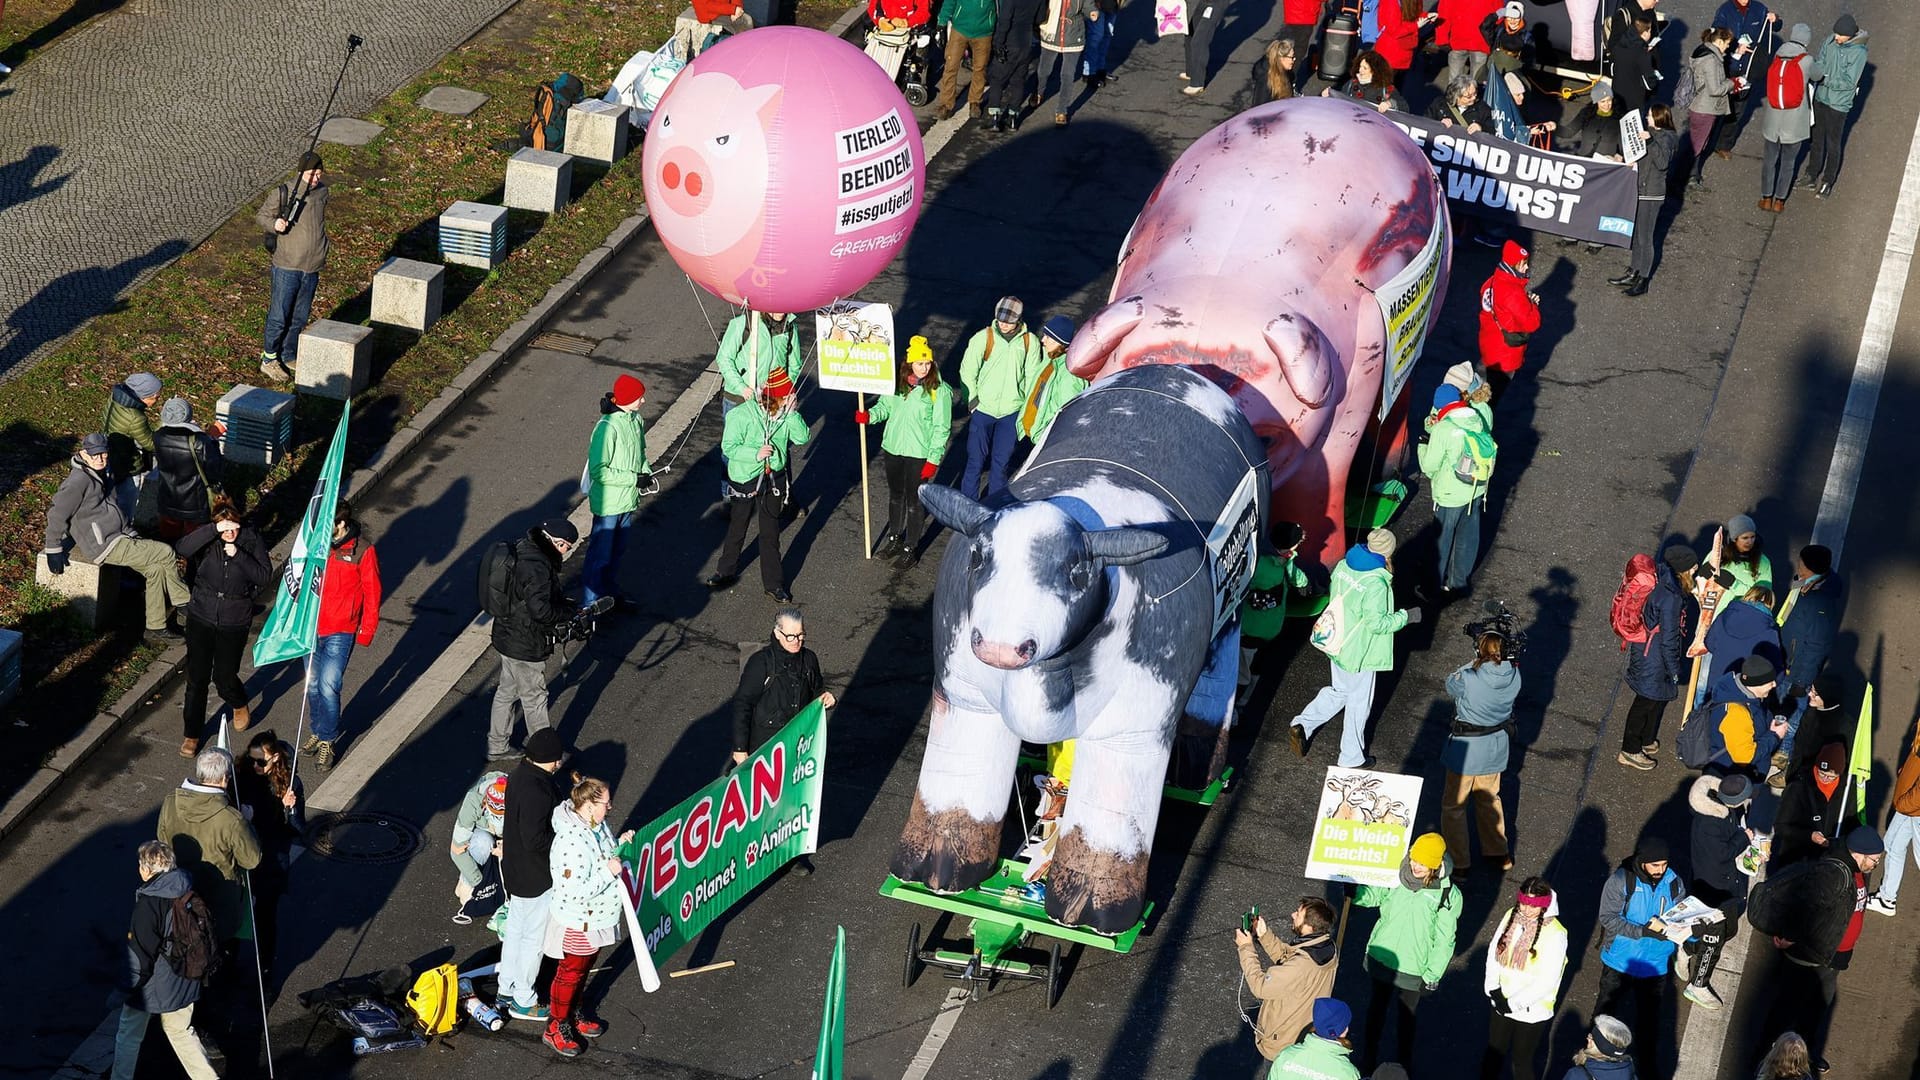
column 904, row 55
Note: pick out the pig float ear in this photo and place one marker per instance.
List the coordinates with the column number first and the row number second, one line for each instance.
column 1123, row 547
column 954, row 510
column 1303, row 353
column 1099, row 336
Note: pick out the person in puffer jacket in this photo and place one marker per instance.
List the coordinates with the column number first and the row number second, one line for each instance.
column 584, row 914
column 1412, row 943
column 1526, row 961
column 1636, row 951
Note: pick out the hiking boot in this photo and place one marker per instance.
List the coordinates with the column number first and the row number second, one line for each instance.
column 189, row 747
column 323, row 756
column 1638, row 288
column 275, row 368
column 1880, row 904
column 241, row 718
column 1702, row 996
column 536, row 1011
column 561, row 1038
column 589, row 1027
column 1297, row 740
column 1635, row 761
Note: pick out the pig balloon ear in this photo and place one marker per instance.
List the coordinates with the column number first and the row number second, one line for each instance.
column 764, row 100
column 954, row 510
column 1099, row 336
column 1303, row 353
column 1123, row 547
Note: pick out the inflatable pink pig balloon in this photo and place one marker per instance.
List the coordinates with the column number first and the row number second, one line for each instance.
column 783, row 169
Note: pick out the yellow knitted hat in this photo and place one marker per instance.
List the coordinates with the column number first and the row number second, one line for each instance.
column 918, row 351
column 1430, row 850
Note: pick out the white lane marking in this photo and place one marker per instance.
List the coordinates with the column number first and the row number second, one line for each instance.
column 936, row 1039
column 1870, row 366
column 1704, row 1040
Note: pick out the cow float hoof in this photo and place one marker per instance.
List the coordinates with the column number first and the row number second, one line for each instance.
column 1093, row 888
column 948, row 851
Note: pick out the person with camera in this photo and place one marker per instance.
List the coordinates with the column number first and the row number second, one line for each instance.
column 1476, row 752
column 1356, row 632
column 1526, row 961
column 535, row 617
column 1305, row 962
column 294, row 220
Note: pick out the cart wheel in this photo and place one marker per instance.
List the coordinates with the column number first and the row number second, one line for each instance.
column 912, row 969
column 916, row 95
column 1053, row 975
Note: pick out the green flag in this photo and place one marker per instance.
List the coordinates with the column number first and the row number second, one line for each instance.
column 1862, row 767
column 292, row 623
column 828, row 1055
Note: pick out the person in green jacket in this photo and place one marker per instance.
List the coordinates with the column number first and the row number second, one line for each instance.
column 1412, row 942
column 129, row 430
column 617, row 475
column 1324, row 1052
column 997, row 373
column 1457, row 458
column 1356, row 632
column 1264, row 612
column 919, row 422
column 755, row 442
column 1841, row 64
column 1053, row 385
column 969, row 27
column 744, row 365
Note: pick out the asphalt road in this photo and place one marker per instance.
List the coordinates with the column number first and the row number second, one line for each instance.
column 1637, row 420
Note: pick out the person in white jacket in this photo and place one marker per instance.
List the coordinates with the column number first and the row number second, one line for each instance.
column 1525, row 964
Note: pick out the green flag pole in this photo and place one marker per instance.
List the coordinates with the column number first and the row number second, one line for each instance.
column 1862, row 765
column 829, row 1054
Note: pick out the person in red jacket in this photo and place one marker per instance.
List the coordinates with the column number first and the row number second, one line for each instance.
column 349, row 614
column 1398, row 35
column 898, row 14
column 1509, row 314
column 1459, row 32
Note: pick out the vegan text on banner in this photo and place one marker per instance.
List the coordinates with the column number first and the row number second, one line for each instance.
column 290, row 626
column 1511, row 183
column 692, row 863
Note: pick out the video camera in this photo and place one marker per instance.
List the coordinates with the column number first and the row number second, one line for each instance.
column 1501, row 621
column 580, row 626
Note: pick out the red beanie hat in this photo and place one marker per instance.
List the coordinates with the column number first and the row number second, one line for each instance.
column 779, row 385
column 1513, row 254
column 627, row 390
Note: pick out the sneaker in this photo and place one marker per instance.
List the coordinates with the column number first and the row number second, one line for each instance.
column 1297, row 740
column 722, row 581
column 323, row 756
column 561, row 1039
column 462, row 891
column 1652, row 749
column 1880, row 904
column 311, row 744
column 907, row 561
column 1194, row 91
column 165, row 636
column 517, row 1011
column 590, row 1027
column 276, row 369
column 1635, row 761
column 5, row 70
column 1702, row 996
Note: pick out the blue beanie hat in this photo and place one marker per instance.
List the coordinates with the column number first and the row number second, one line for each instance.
column 1444, row 395
column 1331, row 1017
column 1059, row 328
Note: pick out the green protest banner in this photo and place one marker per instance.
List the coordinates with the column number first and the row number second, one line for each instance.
column 831, row 1050
column 688, row 866
column 289, row 629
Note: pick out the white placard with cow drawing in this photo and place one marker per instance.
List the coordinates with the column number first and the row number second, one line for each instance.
column 1363, row 826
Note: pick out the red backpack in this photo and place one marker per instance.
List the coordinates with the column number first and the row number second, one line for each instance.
column 1786, row 83
column 1630, row 600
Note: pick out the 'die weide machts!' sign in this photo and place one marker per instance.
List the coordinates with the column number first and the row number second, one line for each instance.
column 697, row 860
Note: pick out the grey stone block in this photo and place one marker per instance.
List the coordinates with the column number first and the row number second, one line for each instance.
column 93, row 592
column 336, row 359
column 408, row 293
column 452, row 99
column 259, row 424
column 473, row 234
column 539, row 180
column 597, row 131
column 349, row 131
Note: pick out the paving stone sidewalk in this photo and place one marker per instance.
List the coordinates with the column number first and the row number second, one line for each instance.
column 129, row 141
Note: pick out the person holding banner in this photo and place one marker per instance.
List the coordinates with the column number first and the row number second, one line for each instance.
column 775, row 684
column 1372, row 84
column 584, row 914
column 1461, row 106
column 918, row 419
column 1662, row 143
column 756, row 442
column 1412, row 943
column 349, row 616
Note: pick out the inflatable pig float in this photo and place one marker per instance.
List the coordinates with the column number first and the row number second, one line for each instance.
column 1255, row 262
column 1085, row 610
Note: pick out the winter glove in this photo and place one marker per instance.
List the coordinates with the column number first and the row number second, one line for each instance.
column 648, row 485
column 927, row 470
column 860, row 416
column 56, row 562
column 1413, row 616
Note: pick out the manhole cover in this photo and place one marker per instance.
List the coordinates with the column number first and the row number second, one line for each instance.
column 555, row 341
column 365, row 838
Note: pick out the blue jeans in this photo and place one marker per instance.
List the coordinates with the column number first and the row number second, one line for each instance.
column 328, row 666
column 990, row 441
column 1093, row 59
column 287, row 313
column 1459, row 541
column 1900, row 841
column 1350, row 692
column 522, row 943
column 606, row 547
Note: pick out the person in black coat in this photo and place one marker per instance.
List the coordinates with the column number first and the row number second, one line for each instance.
column 1594, row 131
column 188, row 470
column 524, row 634
column 1655, row 667
column 1720, row 835
column 227, row 563
column 1816, row 808
column 1663, row 142
column 152, row 985
column 775, row 684
column 1460, row 106
column 1634, row 74
column 1015, row 23
column 526, row 870
column 274, row 801
column 1810, row 618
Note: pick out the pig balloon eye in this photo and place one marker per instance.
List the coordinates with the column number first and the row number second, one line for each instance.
column 723, row 145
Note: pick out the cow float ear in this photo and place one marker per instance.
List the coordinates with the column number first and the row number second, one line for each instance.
column 1123, row 547
column 954, row 510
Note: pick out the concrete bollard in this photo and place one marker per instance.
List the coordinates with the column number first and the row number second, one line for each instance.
column 539, row 180
column 335, row 359
column 259, row 425
column 92, row 591
column 473, row 234
column 597, row 131
column 407, row 292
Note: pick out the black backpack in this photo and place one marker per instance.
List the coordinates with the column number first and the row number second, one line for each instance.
column 496, row 577
column 546, row 128
column 190, row 948
column 1696, row 736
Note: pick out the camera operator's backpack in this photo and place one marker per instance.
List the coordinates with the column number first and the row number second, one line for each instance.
column 1628, row 613
column 190, row 948
column 546, row 129
column 496, row 577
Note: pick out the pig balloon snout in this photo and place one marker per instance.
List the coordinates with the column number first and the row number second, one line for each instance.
column 1004, row 657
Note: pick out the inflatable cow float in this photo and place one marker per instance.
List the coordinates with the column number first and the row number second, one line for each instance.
column 1084, row 610
column 1256, row 262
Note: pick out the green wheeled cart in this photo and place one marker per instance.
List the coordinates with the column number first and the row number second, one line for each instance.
column 1004, row 920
